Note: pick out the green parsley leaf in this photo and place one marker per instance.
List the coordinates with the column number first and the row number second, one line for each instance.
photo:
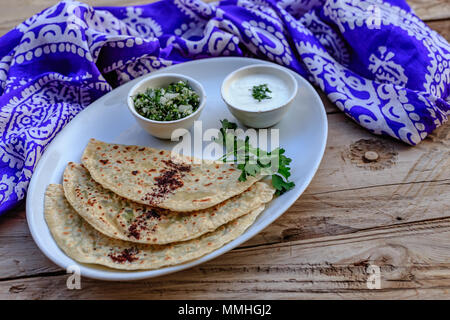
column 280, row 185
column 253, row 161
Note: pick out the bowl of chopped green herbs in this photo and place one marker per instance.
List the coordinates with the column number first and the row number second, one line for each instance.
column 165, row 104
column 259, row 95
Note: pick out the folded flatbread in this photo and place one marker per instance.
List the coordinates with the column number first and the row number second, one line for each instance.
column 124, row 219
column 85, row 244
column 162, row 179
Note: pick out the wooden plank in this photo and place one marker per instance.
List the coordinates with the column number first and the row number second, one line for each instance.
column 414, row 262
column 12, row 15
column 442, row 27
column 343, row 167
column 350, row 211
column 431, row 10
column 19, row 255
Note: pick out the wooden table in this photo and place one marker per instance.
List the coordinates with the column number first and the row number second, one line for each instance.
column 394, row 214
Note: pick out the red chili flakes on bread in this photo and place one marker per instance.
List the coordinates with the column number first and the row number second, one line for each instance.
column 169, row 180
column 140, row 223
column 126, row 255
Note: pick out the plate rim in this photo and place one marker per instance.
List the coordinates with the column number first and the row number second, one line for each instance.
column 130, row 275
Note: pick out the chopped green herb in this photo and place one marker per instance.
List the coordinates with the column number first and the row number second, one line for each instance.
column 261, row 92
column 252, row 161
column 176, row 101
column 281, row 185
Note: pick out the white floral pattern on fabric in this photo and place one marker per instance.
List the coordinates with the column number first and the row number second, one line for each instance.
column 385, row 69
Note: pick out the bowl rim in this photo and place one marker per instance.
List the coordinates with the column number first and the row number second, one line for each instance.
column 279, row 68
column 151, row 77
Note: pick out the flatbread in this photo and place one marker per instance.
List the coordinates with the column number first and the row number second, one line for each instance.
column 85, row 244
column 153, row 177
column 124, row 219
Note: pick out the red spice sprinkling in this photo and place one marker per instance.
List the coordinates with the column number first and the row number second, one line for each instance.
column 161, row 152
column 170, row 179
column 91, row 202
column 133, row 232
column 140, row 223
column 135, row 172
column 126, row 255
column 104, row 161
column 116, row 147
column 208, row 184
column 220, row 178
column 141, row 149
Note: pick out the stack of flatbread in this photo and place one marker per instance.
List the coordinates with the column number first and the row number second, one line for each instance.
column 132, row 207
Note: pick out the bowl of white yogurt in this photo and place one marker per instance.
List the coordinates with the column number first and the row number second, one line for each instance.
column 259, row 95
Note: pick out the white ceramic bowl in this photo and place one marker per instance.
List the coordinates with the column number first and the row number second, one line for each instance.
column 258, row 118
column 165, row 129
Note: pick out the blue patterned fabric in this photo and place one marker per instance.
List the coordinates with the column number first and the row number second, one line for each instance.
column 375, row 60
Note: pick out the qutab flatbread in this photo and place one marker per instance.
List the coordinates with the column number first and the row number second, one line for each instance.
column 85, row 244
column 124, row 219
column 152, row 177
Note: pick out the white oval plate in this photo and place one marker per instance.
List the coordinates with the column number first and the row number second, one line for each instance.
column 303, row 133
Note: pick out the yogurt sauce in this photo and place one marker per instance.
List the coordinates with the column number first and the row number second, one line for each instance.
column 239, row 93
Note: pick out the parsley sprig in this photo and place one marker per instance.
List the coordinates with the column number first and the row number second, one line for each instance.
column 254, row 161
column 261, row 92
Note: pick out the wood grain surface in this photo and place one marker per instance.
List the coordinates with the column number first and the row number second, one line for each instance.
column 392, row 213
